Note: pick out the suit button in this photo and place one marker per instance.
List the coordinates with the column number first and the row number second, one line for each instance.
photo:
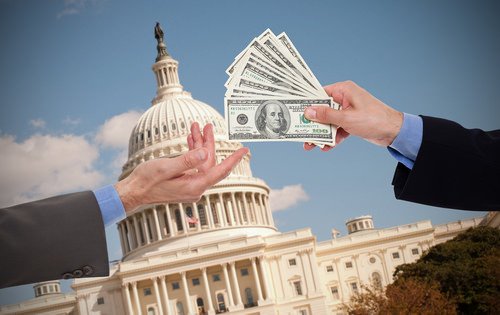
column 88, row 270
column 78, row 273
column 67, row 275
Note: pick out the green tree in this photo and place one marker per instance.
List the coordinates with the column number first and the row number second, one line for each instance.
column 466, row 269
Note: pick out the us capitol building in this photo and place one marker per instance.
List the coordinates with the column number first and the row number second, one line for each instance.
column 234, row 259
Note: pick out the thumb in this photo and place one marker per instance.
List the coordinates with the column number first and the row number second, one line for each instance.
column 325, row 115
column 187, row 161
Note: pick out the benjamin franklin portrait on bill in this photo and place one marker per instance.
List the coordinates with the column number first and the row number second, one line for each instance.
column 272, row 119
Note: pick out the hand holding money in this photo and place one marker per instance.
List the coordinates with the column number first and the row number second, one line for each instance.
column 268, row 89
column 362, row 115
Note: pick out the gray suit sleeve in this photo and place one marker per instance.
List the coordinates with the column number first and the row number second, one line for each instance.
column 59, row 237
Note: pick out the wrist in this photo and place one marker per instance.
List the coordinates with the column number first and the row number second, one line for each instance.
column 395, row 122
column 129, row 200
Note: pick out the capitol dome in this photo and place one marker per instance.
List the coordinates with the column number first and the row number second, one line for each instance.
column 238, row 205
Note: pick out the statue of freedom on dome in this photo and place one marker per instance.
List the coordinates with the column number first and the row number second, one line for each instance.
column 161, row 47
column 158, row 33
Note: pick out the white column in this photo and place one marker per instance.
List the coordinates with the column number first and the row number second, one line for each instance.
column 207, row 291
column 136, row 299
column 145, row 227
column 157, row 294
column 137, row 231
column 268, row 208
column 268, row 212
column 230, row 211
column 166, row 300
column 169, row 219
column 307, row 280
column 130, row 237
column 185, row 226
column 186, row 293
column 314, row 270
column 340, row 281
column 257, row 279
column 196, row 213
column 228, row 285
column 384, row 265
column 122, row 241
column 209, row 213
column 254, row 206
column 157, row 224
column 263, row 207
column 222, row 213
column 232, row 267
column 284, row 284
column 245, row 208
column 235, row 209
column 266, row 278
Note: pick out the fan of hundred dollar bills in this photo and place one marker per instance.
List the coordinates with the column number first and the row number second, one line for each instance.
column 269, row 87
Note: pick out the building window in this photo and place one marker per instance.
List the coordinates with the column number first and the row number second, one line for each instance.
column 335, row 293
column 164, row 128
column 44, row 289
column 100, row 301
column 221, row 303
column 214, row 213
column 298, row 287
column 329, row 268
column 302, row 312
column 147, row 291
column 216, row 278
column 151, row 311
column 39, row 290
column 189, row 213
column 178, row 220
column 414, row 251
column 196, row 281
column 175, row 286
column 395, row 255
column 354, row 287
column 244, row 272
column 249, row 297
column 202, row 214
column 51, row 289
column 200, row 303
column 348, row 264
column 377, row 280
column 372, row 260
column 292, row 262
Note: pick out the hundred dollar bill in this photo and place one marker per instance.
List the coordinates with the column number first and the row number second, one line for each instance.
column 275, row 120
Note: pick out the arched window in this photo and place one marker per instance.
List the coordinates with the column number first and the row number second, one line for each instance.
column 199, row 302
column 377, row 280
column 180, row 308
column 221, row 304
column 202, row 214
column 178, row 219
column 249, row 297
column 151, row 311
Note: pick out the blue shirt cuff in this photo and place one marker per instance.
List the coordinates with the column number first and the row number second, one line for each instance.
column 110, row 204
column 407, row 144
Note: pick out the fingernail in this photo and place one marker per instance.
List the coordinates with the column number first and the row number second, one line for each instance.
column 201, row 154
column 310, row 113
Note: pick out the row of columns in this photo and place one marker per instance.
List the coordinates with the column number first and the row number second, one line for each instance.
column 133, row 305
column 283, row 289
column 219, row 211
column 167, row 75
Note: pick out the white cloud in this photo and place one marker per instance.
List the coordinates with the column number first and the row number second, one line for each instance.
column 115, row 132
column 287, row 197
column 37, row 123
column 72, row 121
column 45, row 165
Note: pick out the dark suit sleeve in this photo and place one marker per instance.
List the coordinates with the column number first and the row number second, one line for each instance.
column 455, row 168
column 54, row 238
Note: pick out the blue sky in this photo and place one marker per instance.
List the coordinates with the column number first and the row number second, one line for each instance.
column 71, row 71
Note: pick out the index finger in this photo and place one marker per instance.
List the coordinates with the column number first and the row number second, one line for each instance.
column 221, row 171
